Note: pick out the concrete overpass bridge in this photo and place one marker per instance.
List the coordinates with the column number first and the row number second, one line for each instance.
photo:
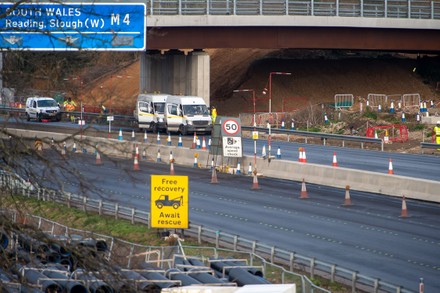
column 383, row 25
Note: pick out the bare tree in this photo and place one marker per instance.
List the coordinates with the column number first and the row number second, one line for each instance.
column 23, row 164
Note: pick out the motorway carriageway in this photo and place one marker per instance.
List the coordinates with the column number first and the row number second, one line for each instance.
column 421, row 166
column 369, row 237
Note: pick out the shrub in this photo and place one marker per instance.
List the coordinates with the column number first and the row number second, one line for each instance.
column 370, row 114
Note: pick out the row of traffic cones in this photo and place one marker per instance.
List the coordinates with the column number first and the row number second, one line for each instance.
column 197, row 144
column 302, row 153
column 255, row 184
column 302, row 158
column 304, row 194
column 347, row 198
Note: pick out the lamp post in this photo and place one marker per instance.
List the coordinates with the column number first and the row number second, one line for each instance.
column 255, row 124
column 270, row 107
column 270, row 86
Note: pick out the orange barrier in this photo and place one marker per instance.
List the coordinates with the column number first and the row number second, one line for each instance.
column 396, row 132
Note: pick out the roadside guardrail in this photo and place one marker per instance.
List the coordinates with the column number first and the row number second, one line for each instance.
column 85, row 115
column 321, row 135
column 221, row 239
column 428, row 145
column 306, row 134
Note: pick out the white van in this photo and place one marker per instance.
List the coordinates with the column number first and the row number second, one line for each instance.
column 187, row 114
column 42, row 108
column 150, row 112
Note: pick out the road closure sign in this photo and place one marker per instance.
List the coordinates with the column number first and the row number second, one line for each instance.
column 73, row 26
column 169, row 201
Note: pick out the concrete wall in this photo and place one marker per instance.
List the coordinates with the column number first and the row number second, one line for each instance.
column 386, row 184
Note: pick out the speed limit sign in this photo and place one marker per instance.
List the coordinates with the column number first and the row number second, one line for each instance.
column 231, row 127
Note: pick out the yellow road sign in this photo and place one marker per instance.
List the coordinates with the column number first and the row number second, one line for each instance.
column 169, row 201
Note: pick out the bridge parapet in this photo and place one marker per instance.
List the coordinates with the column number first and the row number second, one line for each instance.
column 416, row 9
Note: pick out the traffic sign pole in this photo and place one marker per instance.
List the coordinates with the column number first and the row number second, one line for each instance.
column 269, row 140
column 231, row 137
column 110, row 119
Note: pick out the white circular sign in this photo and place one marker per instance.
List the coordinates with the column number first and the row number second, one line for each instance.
column 231, row 127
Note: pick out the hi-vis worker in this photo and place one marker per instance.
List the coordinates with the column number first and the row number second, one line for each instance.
column 69, row 106
column 436, row 132
column 213, row 114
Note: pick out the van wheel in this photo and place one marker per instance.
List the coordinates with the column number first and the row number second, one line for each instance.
column 182, row 130
column 58, row 117
column 28, row 118
column 39, row 117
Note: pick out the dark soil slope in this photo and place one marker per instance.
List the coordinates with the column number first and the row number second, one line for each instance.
column 314, row 78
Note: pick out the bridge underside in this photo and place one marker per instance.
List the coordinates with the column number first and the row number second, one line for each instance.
column 294, row 38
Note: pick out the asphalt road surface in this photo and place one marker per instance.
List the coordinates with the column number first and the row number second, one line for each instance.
column 369, row 237
column 410, row 165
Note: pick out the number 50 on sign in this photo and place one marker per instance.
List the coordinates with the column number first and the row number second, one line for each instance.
column 231, row 127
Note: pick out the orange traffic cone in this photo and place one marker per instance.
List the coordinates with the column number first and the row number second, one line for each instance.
column 193, row 146
column 300, row 155
column 335, row 160
column 390, row 167
column 304, row 193
column 255, row 182
column 404, row 212
column 136, row 152
column 172, row 167
column 98, row 159
column 214, row 176
column 136, row 164
column 203, row 144
column 347, row 201
column 304, row 156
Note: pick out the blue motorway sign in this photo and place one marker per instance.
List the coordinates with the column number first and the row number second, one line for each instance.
column 73, row 26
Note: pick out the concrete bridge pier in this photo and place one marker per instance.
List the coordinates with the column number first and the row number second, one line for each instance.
column 173, row 72
column 150, row 74
column 198, row 74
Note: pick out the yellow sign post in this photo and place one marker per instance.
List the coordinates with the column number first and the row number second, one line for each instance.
column 169, row 201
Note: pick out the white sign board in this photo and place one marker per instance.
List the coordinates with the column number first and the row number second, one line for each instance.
column 232, row 147
column 110, row 118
